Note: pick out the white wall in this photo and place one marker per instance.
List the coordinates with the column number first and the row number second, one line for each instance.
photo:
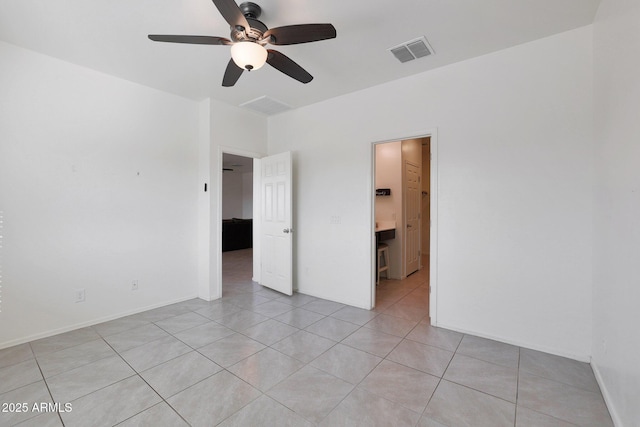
column 98, row 187
column 237, row 194
column 515, row 207
column 204, row 199
column 247, row 194
column 616, row 316
column 232, row 195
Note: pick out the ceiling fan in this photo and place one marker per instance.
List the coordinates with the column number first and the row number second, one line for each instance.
column 248, row 40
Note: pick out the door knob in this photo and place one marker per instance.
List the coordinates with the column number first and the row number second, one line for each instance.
column 287, row 230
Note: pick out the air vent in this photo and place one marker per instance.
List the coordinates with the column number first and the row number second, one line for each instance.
column 266, row 105
column 413, row 49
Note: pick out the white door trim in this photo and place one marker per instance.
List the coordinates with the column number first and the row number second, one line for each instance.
column 433, row 212
column 433, row 232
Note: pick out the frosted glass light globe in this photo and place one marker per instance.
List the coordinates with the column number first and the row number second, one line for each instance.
column 248, row 55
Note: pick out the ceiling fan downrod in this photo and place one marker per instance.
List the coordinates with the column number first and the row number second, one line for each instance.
column 250, row 10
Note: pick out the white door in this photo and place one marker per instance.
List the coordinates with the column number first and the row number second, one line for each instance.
column 276, row 226
column 412, row 195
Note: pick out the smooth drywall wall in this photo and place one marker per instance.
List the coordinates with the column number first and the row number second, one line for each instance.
column 98, row 188
column 247, row 195
column 232, row 196
column 204, row 199
column 237, row 195
column 616, row 341
column 514, row 198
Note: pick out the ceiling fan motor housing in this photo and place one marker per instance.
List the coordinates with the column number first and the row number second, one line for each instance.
column 252, row 12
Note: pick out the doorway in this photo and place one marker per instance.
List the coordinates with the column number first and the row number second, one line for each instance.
column 237, row 224
column 404, row 177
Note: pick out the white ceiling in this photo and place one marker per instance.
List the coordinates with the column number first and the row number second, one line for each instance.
column 111, row 37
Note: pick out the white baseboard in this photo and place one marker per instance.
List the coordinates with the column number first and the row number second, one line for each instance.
column 607, row 396
column 579, row 357
column 92, row 322
column 357, row 304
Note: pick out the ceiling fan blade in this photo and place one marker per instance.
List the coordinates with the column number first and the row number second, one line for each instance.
column 232, row 74
column 304, row 33
column 231, row 13
column 189, row 39
column 286, row 65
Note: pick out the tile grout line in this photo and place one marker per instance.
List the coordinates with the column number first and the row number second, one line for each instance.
column 45, row 383
column 138, row 374
column 225, row 369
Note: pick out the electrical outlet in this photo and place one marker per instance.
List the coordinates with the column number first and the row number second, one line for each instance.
column 80, row 295
column 134, row 285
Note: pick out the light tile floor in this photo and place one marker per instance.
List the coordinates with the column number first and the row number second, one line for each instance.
column 258, row 358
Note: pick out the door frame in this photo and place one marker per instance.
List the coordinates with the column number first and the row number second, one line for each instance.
column 217, row 217
column 433, row 213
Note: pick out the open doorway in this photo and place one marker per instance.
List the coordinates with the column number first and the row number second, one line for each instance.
column 402, row 211
column 237, row 224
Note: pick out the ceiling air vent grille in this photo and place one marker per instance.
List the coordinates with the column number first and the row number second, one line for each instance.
column 266, row 105
column 413, row 49
column 402, row 53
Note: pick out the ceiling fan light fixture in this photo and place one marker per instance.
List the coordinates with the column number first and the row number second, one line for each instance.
column 248, row 55
column 248, row 38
